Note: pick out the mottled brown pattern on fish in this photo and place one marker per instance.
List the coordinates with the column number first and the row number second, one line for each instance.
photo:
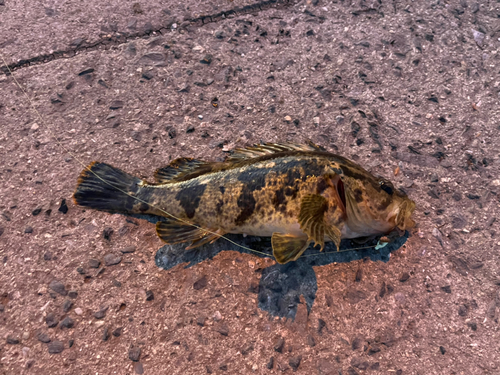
column 261, row 190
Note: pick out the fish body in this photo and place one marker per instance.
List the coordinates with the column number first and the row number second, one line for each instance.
column 294, row 194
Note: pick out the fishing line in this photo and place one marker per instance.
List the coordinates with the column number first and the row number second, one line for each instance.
column 85, row 167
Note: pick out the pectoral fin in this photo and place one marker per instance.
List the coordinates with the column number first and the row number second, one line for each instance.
column 312, row 220
column 288, row 248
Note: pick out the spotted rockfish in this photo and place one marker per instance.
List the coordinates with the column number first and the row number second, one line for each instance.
column 295, row 194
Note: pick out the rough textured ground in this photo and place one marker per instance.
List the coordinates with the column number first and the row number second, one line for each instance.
column 392, row 85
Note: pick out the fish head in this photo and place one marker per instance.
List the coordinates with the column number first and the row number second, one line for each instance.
column 373, row 205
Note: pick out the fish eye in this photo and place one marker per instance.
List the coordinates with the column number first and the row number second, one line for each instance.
column 386, row 186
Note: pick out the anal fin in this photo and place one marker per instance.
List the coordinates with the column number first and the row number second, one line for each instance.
column 287, row 247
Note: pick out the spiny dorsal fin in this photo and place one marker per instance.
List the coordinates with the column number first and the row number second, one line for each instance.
column 181, row 169
column 271, row 148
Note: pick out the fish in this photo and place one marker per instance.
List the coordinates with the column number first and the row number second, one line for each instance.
column 294, row 193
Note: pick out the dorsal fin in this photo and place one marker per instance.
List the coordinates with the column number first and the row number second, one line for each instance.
column 271, row 148
column 181, row 169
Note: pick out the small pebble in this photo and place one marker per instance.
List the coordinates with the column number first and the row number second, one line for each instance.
column 51, row 320
column 43, row 337
column 200, row 117
column 12, row 340
column 107, row 232
column 270, row 364
column 278, row 347
column 94, row 263
column 112, row 259
column 206, row 60
column 134, row 353
column 200, row 321
column 78, row 311
column 63, row 207
column 101, row 313
column 295, row 362
column 36, row 211
column 200, row 283
column 28, row 230
column 55, row 347
column 67, row 323
column 149, row 295
column 217, row 316
column 128, row 249
column 442, row 349
column 288, row 119
column 117, row 332
column 105, row 333
column 67, row 305
column 223, row 330
column 404, row 277
column 58, row 287
column 26, row 335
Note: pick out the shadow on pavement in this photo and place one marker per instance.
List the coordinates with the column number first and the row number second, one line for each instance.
column 281, row 284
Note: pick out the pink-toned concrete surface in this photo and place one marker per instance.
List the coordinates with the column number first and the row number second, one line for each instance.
column 395, row 84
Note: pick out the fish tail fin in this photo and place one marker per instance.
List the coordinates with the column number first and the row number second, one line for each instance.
column 102, row 186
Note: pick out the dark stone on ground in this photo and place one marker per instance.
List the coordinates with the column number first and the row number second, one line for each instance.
column 404, row 277
column 321, row 325
column 72, row 294
column 200, row 321
column 43, row 337
column 80, row 270
column 247, row 348
column 58, row 287
column 117, row 104
column 446, row 288
column 112, row 259
column 149, row 295
column 47, row 256
column 12, row 340
column 134, row 353
column 70, row 343
column 36, row 211
column 462, row 310
column 55, row 347
column 206, row 60
column 107, row 232
column 223, row 330
column 278, row 347
column 28, row 230
column 86, row 71
column 51, row 320
column 101, row 313
column 94, row 263
column 442, row 349
column 67, row 305
column 223, row 367
column 356, row 343
column 128, row 250
column 67, row 323
column 63, row 207
column 147, row 75
column 117, row 332
column 270, row 364
column 200, row 283
column 105, row 333
column 295, row 362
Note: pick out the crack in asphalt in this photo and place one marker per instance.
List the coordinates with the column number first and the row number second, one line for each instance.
column 81, row 45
